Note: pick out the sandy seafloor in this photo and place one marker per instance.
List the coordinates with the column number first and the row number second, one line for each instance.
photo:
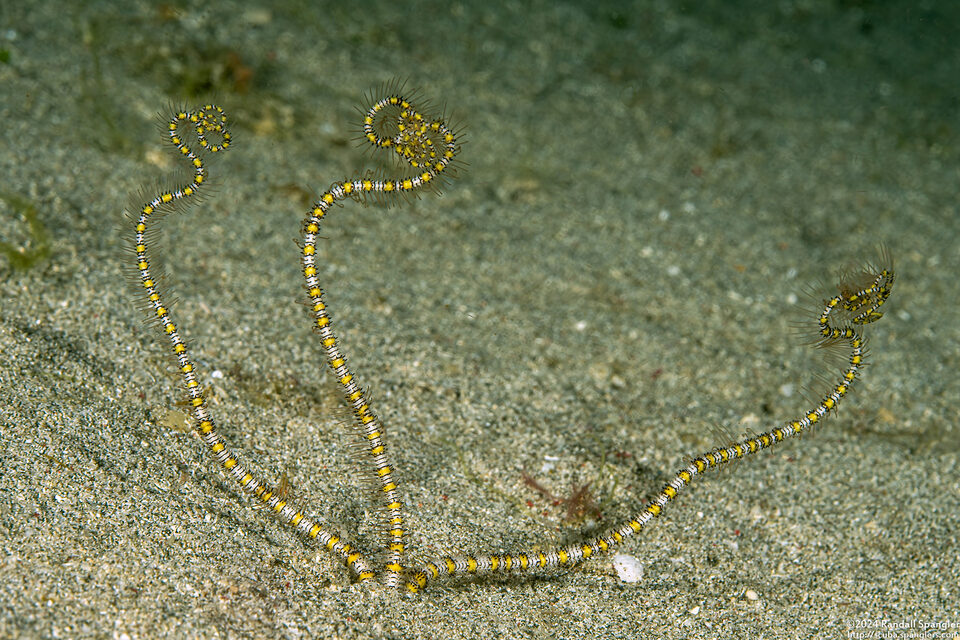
column 608, row 289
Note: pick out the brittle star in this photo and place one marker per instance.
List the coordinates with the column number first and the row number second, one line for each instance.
column 430, row 147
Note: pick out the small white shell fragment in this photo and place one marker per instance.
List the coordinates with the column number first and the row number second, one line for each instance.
column 752, row 595
column 628, row 568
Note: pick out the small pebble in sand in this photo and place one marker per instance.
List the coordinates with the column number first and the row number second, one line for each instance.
column 628, row 568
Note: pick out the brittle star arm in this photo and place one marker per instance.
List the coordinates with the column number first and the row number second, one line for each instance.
column 206, row 121
column 429, row 146
column 860, row 304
